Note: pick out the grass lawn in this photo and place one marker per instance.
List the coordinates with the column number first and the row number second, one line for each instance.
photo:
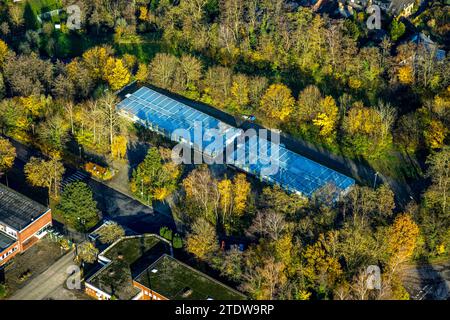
column 144, row 48
column 41, row 6
column 396, row 166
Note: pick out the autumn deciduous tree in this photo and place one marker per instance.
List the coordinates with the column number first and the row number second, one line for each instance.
column 225, row 189
column 162, row 70
column 116, row 74
column 143, row 73
column 435, row 134
column 87, row 252
column 321, row 269
column 367, row 205
column 202, row 194
column 265, row 281
column 53, row 134
column 111, row 232
column 434, row 214
column 439, row 171
column 231, row 265
column 233, row 199
column 402, row 239
column 7, row 155
column 240, row 93
column 107, row 104
column 95, row 60
column 277, row 103
column 326, row 119
column 363, row 135
column 269, row 224
column 119, row 147
column 278, row 200
column 242, row 189
column 47, row 174
column 202, row 240
column 405, row 75
column 3, row 52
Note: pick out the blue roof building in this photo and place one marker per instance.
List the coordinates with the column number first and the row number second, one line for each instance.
column 268, row 161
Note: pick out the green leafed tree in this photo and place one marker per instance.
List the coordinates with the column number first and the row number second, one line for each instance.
column 78, row 207
column 155, row 178
column 45, row 174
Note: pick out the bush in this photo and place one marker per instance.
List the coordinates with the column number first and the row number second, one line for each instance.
column 3, row 291
column 397, row 30
column 177, row 242
column 166, row 233
column 98, row 171
column 25, row 275
column 110, row 233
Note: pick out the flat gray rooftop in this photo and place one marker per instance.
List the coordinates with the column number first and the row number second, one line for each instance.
column 16, row 210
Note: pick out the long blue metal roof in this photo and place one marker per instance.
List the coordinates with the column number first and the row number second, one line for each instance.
column 294, row 172
column 166, row 115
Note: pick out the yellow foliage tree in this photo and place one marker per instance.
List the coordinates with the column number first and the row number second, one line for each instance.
column 321, row 267
column 143, row 13
column 35, row 104
column 405, row 75
column 161, row 193
column 240, row 93
column 7, row 155
column 242, row 190
column 226, row 196
column 46, row 174
column 119, row 147
column 202, row 241
column 435, row 134
column 284, row 250
column 142, row 73
column 116, row 74
column 96, row 60
column 362, row 120
column 402, row 238
column 326, row 120
column 441, row 104
column 277, row 103
column 354, row 83
column 3, row 52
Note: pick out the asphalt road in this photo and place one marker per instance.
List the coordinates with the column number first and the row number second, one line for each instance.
column 47, row 283
column 428, row 282
column 113, row 204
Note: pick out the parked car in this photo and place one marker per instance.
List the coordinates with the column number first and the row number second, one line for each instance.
column 250, row 118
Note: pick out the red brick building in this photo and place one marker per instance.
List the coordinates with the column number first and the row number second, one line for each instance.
column 22, row 223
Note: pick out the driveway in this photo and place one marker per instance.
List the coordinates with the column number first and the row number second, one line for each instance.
column 48, row 283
